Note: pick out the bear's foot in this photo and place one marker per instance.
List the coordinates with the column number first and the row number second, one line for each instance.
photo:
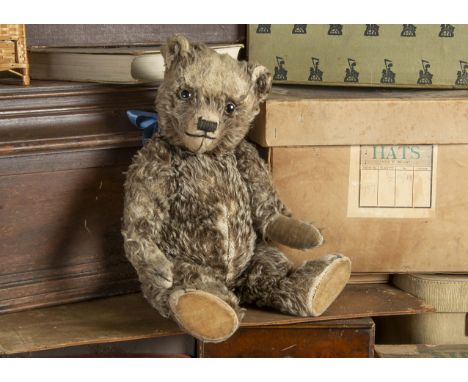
column 334, row 272
column 203, row 315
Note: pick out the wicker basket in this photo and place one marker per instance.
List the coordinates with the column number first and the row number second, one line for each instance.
column 13, row 54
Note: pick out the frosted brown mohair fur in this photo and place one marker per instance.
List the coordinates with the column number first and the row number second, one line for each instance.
column 200, row 207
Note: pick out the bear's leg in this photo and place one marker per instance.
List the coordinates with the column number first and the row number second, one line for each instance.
column 258, row 283
column 307, row 291
column 199, row 302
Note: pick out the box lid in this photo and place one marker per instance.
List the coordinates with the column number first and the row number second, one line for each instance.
column 358, row 55
column 305, row 116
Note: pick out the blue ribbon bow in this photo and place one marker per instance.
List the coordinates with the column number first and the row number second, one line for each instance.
column 146, row 121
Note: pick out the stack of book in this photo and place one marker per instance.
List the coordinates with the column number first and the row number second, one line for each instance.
column 108, row 53
column 121, row 65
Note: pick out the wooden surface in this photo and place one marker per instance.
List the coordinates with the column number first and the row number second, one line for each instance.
column 60, row 232
column 421, row 351
column 64, row 148
column 337, row 338
column 130, row 317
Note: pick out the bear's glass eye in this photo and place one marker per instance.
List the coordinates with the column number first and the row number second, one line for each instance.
column 185, row 94
column 230, row 107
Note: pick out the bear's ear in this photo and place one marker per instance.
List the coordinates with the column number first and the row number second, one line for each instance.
column 261, row 80
column 177, row 50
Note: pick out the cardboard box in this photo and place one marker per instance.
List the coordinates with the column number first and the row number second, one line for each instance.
column 405, row 55
column 382, row 173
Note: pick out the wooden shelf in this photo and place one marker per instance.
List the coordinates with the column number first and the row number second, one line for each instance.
column 130, row 317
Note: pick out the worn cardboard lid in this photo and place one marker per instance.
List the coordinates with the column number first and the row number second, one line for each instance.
column 309, row 116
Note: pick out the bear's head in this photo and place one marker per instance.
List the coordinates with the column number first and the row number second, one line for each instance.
column 207, row 100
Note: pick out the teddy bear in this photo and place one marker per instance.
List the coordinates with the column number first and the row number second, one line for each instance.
column 201, row 211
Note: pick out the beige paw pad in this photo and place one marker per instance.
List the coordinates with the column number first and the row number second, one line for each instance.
column 203, row 315
column 329, row 284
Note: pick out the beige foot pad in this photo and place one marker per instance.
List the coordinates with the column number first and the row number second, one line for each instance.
column 329, row 284
column 203, row 315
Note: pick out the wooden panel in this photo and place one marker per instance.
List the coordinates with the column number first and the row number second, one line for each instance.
column 64, row 148
column 60, row 231
column 358, row 300
column 46, row 97
column 342, row 338
column 51, row 116
column 68, row 160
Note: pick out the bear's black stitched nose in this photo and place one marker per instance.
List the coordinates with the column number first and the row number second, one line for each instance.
column 207, row 126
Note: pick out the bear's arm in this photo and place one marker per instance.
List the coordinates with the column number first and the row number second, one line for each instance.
column 264, row 201
column 270, row 216
column 145, row 209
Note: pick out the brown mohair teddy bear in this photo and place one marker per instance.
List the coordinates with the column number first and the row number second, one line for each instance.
column 200, row 207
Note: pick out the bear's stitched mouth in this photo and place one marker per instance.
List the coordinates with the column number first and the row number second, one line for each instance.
column 200, row 136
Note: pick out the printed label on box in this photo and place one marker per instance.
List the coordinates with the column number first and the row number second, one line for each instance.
column 392, row 181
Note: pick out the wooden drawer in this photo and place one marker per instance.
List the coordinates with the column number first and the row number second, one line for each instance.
column 337, row 338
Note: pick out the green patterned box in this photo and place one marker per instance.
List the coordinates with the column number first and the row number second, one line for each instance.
column 386, row 55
